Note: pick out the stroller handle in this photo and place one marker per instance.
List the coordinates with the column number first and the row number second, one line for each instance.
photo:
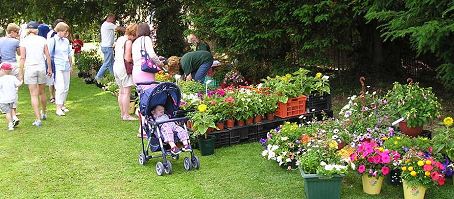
column 147, row 83
column 182, row 119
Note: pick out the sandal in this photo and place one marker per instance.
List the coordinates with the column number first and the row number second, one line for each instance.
column 144, row 135
column 52, row 100
column 129, row 118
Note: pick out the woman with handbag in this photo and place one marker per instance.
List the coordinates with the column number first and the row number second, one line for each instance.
column 146, row 62
column 122, row 68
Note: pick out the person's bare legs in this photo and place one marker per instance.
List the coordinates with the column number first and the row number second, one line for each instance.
column 52, row 92
column 34, row 95
column 119, row 102
column 124, row 101
column 42, row 97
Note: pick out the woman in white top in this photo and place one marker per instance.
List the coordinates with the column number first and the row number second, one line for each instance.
column 61, row 51
column 123, row 49
column 34, row 53
column 143, row 41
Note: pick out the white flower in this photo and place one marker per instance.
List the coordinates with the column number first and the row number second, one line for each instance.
column 347, row 114
column 335, row 137
column 288, row 160
column 271, row 155
column 260, row 85
column 353, row 97
column 325, row 77
column 279, row 159
column 336, row 131
column 264, row 153
column 322, row 163
column 353, row 166
column 329, row 167
column 274, row 147
column 284, row 138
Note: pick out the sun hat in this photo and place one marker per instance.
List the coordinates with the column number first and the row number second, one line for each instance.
column 32, row 25
column 6, row 66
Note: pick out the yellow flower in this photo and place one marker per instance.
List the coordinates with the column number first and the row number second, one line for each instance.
column 404, row 168
column 410, row 168
column 407, row 161
column 318, row 75
column 427, row 173
column 428, row 162
column 288, row 75
column 333, row 144
column 420, row 163
column 381, row 149
column 384, row 138
column 395, row 142
column 448, row 121
column 398, row 138
column 202, row 108
column 413, row 173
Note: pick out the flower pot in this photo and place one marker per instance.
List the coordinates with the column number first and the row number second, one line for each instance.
column 206, row 146
column 410, row 131
column 250, row 121
column 270, row 116
column 258, row 119
column 230, row 123
column 372, row 185
column 240, row 122
column 132, row 107
column 413, row 191
column 220, row 125
column 316, row 187
column 209, row 130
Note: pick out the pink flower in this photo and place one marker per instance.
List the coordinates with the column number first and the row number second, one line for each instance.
column 441, row 181
column 385, row 170
column 361, row 168
column 440, row 166
column 385, row 158
column 435, row 176
column 428, row 167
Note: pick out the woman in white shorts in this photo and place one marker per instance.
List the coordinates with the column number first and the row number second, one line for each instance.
column 123, row 47
column 33, row 50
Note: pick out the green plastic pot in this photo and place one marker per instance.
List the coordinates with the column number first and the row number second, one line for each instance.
column 319, row 187
column 206, row 146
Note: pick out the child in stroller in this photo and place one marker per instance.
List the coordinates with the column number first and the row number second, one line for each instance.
column 168, row 130
column 156, row 127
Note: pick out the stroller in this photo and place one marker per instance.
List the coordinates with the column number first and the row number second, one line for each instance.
column 168, row 95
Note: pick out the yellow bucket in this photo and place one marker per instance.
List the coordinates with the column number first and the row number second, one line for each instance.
column 413, row 191
column 372, row 185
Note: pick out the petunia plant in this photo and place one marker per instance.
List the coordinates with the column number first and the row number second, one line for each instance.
column 373, row 160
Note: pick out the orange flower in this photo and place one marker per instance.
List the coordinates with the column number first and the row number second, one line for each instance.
column 305, row 139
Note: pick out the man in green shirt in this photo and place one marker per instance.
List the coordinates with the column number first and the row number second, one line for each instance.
column 196, row 64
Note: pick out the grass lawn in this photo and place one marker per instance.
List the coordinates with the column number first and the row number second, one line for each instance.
column 90, row 153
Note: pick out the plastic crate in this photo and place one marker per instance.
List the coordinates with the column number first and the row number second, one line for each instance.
column 293, row 107
column 234, row 137
column 222, row 138
column 318, row 103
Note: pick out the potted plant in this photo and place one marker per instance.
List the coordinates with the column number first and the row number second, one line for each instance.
column 321, row 166
column 269, row 105
column 373, row 163
column 202, row 120
column 415, row 105
column 419, row 171
column 229, row 112
column 442, row 143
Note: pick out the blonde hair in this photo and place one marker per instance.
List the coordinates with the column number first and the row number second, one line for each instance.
column 131, row 29
column 62, row 26
column 173, row 64
column 12, row 27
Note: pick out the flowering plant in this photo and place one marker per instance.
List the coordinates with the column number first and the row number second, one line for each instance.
column 269, row 103
column 373, row 160
column 162, row 76
column 188, row 87
column 421, row 169
column 202, row 120
column 234, row 78
column 283, row 143
column 443, row 139
column 417, row 105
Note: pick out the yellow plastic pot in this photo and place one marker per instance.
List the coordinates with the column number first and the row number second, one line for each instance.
column 413, row 191
column 372, row 185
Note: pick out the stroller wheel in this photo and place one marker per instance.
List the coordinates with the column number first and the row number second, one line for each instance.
column 187, row 164
column 168, row 167
column 142, row 159
column 195, row 162
column 160, row 169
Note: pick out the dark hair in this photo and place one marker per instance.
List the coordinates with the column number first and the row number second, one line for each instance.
column 56, row 22
column 143, row 29
column 76, row 36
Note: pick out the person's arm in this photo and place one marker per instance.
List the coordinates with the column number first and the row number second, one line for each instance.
column 21, row 63
column 49, row 64
column 120, row 29
column 70, row 58
column 128, row 51
column 151, row 52
column 189, row 77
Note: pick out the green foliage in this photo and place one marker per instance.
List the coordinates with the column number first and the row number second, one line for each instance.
column 202, row 120
column 428, row 24
column 170, row 40
column 442, row 141
column 89, row 61
column 189, row 87
column 417, row 105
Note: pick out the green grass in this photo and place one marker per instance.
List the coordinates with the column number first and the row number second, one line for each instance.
column 90, row 153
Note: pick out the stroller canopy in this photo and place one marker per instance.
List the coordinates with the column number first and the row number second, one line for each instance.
column 166, row 94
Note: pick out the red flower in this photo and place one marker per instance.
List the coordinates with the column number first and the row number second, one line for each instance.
column 441, row 181
column 385, row 170
column 213, row 102
column 435, row 176
column 229, row 100
column 428, row 167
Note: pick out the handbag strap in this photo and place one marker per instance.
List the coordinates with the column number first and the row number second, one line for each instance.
column 52, row 55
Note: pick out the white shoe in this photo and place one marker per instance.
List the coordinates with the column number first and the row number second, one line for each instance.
column 37, row 123
column 64, row 109
column 43, row 115
column 10, row 126
column 59, row 112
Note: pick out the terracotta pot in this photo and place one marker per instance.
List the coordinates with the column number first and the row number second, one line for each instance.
column 270, row 116
column 410, row 131
column 240, row 122
column 220, row 125
column 250, row 121
column 230, row 123
column 258, row 119
column 189, row 124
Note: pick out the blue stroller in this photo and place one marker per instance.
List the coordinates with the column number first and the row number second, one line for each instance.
column 168, row 95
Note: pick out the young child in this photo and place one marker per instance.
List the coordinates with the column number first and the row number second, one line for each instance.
column 77, row 46
column 168, row 129
column 8, row 85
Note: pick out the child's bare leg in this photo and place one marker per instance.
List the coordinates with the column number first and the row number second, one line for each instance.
column 185, row 142
column 172, row 144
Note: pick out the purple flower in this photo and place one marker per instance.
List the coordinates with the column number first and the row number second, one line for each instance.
column 263, row 141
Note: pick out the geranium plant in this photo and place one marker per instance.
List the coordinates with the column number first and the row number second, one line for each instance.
column 419, row 168
column 202, row 120
column 373, row 160
column 415, row 104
